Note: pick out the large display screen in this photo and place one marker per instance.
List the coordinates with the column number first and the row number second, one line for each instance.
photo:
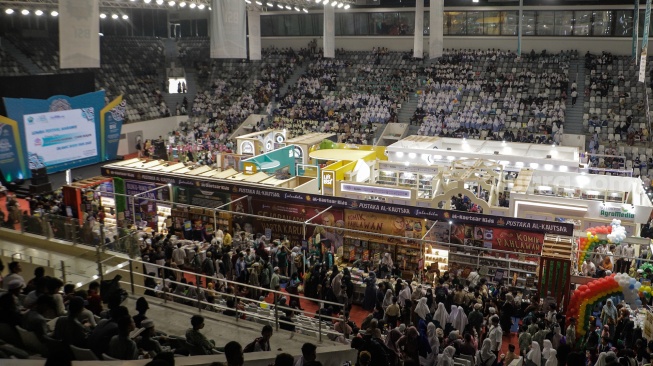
column 58, row 137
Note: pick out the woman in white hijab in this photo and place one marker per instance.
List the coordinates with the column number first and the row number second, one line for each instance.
column 404, row 294
column 434, row 343
column 441, row 315
column 460, row 320
column 553, row 358
column 453, row 314
column 485, row 356
column 422, row 310
column 601, row 360
column 387, row 300
column 535, row 355
column 547, row 347
column 446, row 358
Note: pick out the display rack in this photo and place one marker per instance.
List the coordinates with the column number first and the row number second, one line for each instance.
column 162, row 213
column 109, row 206
column 510, row 267
column 405, row 255
column 433, row 255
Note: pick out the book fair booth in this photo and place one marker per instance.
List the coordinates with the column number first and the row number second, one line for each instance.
column 432, row 204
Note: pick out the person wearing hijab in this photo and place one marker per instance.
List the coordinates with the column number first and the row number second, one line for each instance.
column 391, row 341
column 553, row 358
column 369, row 300
column 385, row 267
column 546, row 350
column 441, row 315
column 446, row 358
column 485, row 357
column 422, row 310
column 404, row 294
column 409, row 346
column 609, row 311
column 535, row 355
column 458, row 319
column 387, row 300
column 507, row 310
column 601, row 360
column 434, row 344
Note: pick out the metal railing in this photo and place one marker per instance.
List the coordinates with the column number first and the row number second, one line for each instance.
column 250, row 308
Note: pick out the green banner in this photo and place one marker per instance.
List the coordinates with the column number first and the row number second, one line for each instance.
column 635, row 30
column 121, row 202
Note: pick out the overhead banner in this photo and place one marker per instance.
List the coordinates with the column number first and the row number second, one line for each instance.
column 418, row 43
column 436, row 20
column 644, row 54
column 434, row 214
column 111, row 118
column 329, row 31
column 520, row 242
column 79, row 34
column 254, row 25
column 379, row 226
column 228, row 32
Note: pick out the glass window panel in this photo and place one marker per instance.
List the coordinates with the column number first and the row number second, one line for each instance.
column 345, row 24
column 427, row 23
column 583, row 23
column 457, row 23
column 272, row 25
column 362, row 23
column 377, row 23
column 641, row 23
column 510, row 20
column 291, row 22
column 602, row 26
column 474, row 22
column 528, row 23
column 624, row 23
column 563, row 23
column 491, row 23
column 545, row 21
column 406, row 23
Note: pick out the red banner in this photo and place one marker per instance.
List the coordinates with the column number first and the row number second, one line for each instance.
column 509, row 240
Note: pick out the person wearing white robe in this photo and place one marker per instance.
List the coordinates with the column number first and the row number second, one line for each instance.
column 553, row 358
column 441, row 315
column 446, row 358
column 535, row 355
column 434, row 343
column 547, row 347
column 422, row 310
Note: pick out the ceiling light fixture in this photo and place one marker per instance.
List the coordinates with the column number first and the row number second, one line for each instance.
column 125, row 17
column 103, row 16
column 347, row 6
column 182, row 4
column 54, row 13
column 159, row 2
column 279, row 6
column 193, row 5
column 259, row 3
column 24, row 12
column 333, row 4
column 288, row 7
column 9, row 11
column 297, row 9
column 340, row 5
column 304, row 10
column 38, row 13
column 114, row 16
column 147, row 1
column 201, row 6
column 269, row 4
column 171, row 3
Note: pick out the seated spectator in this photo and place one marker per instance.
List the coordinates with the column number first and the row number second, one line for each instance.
column 36, row 320
column 284, row 359
column 68, row 329
column 121, row 346
column 14, row 274
column 94, row 299
column 262, row 343
column 148, row 342
column 141, row 307
column 39, row 272
column 309, row 354
column 100, row 337
column 197, row 339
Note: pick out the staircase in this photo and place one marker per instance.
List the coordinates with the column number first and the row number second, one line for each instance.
column 292, row 80
column 173, row 99
column 408, row 109
column 574, row 115
column 25, row 61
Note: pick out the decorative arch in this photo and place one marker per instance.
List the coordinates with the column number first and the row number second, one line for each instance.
column 596, row 236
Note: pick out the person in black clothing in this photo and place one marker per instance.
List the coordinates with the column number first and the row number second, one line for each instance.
column 285, row 319
column 141, row 307
column 371, row 345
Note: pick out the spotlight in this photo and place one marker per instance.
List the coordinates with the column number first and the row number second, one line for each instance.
column 201, row 6
column 171, row 3
column 279, row 6
column 347, row 6
column 182, row 4
column 248, row 1
column 38, row 13
column 114, row 16
column 297, row 9
column 269, row 4
column 259, row 3
column 340, row 5
column 125, row 17
column 288, row 7
column 334, row 3
column 147, row 1
column 24, row 12
column 54, row 13
column 103, row 16
column 9, row 11
column 159, row 2
column 304, row 10
column 193, row 5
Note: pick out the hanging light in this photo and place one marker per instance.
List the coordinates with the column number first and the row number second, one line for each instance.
column 288, row 7
column 279, row 6
column 347, row 6
column 248, row 1
column 340, row 5
column 9, row 11
column 201, row 6
column 24, row 12
column 114, row 16
column 125, row 17
column 171, row 3
column 297, row 9
column 147, row 1
column 103, row 16
column 38, row 13
column 193, row 5
column 182, row 4
column 259, row 3
column 54, row 13
column 159, row 2
column 304, row 10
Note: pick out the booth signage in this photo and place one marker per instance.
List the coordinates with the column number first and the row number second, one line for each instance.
column 249, row 168
column 377, row 191
column 622, row 212
column 547, row 227
column 327, row 179
column 247, row 148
